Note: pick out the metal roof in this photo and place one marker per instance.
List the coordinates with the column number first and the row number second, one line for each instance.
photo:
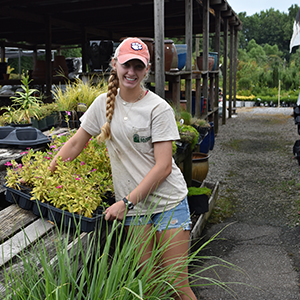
column 75, row 21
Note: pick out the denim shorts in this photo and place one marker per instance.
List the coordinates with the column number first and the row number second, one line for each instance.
column 178, row 217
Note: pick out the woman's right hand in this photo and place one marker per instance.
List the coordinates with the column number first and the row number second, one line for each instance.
column 115, row 211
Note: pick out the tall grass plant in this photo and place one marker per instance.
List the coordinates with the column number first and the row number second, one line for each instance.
column 97, row 270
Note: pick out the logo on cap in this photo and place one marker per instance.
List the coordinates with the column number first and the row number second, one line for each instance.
column 136, row 46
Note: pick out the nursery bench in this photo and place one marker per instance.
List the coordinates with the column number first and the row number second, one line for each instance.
column 23, row 231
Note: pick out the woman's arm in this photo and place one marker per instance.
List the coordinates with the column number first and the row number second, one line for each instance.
column 72, row 148
column 160, row 171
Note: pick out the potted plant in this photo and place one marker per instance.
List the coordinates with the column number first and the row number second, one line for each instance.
column 202, row 126
column 77, row 186
column 27, row 102
column 198, row 199
column 188, row 136
column 76, row 97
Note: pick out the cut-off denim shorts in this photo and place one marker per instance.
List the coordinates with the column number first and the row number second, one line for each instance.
column 178, row 217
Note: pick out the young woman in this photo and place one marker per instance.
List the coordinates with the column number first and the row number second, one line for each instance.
column 138, row 127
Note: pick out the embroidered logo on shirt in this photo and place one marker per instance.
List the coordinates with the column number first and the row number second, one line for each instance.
column 136, row 46
column 141, row 139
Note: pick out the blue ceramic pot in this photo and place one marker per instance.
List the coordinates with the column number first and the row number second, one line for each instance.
column 181, row 53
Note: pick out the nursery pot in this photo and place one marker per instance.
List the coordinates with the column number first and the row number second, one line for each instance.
column 200, row 166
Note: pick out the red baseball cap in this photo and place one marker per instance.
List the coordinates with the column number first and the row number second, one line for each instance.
column 132, row 48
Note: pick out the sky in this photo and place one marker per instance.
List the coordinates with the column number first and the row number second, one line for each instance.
column 256, row 6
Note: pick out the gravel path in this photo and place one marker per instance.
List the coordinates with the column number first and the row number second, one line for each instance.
column 253, row 161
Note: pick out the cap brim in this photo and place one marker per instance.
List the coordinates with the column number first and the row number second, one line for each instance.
column 122, row 59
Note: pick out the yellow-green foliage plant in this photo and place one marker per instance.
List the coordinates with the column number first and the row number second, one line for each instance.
column 77, row 92
column 77, row 186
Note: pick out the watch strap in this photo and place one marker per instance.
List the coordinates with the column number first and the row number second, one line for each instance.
column 128, row 204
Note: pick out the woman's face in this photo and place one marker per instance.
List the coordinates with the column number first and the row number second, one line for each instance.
column 131, row 73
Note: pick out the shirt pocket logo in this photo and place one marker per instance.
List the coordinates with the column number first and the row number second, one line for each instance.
column 142, row 139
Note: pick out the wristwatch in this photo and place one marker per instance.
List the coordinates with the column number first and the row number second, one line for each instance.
column 128, row 204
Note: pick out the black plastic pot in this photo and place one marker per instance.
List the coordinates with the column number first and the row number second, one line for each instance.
column 198, row 204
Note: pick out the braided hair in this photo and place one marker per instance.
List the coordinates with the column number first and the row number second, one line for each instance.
column 113, row 85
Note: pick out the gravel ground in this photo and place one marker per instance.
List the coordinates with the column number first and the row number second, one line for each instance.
column 253, row 161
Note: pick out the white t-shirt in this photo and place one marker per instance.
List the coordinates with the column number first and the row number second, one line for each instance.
column 130, row 148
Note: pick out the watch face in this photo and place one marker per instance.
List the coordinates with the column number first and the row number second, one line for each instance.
column 130, row 205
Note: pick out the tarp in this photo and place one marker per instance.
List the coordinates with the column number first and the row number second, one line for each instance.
column 295, row 40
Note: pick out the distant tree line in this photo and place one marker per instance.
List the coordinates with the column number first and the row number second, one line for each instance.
column 263, row 54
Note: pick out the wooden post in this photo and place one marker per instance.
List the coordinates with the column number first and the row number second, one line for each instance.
column 217, row 49
column 159, row 35
column 84, row 52
column 224, row 70
column 3, row 52
column 205, row 51
column 48, row 59
column 230, row 70
column 189, row 42
column 235, row 66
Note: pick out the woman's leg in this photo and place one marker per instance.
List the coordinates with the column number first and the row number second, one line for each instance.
column 176, row 253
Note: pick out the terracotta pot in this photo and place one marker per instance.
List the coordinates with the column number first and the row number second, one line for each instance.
column 6, row 76
column 149, row 42
column 168, row 54
column 174, row 65
column 211, row 62
column 200, row 166
column 39, row 69
column 183, row 104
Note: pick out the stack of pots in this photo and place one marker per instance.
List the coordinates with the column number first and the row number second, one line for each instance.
column 99, row 55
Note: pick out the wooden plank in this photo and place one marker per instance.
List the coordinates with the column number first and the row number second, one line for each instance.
column 21, row 240
column 198, row 227
column 49, row 242
column 12, row 219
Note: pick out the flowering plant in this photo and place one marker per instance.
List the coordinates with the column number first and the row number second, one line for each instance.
column 77, row 186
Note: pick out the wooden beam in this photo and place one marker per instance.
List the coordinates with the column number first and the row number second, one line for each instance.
column 217, row 49
column 235, row 66
column 205, row 51
column 48, row 59
column 30, row 17
column 159, row 35
column 216, row 2
column 189, row 42
column 221, row 7
column 230, row 70
column 224, row 70
column 227, row 13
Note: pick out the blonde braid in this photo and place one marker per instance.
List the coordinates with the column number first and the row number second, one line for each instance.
column 113, row 84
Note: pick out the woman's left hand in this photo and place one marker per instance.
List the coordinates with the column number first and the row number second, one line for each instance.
column 115, row 211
